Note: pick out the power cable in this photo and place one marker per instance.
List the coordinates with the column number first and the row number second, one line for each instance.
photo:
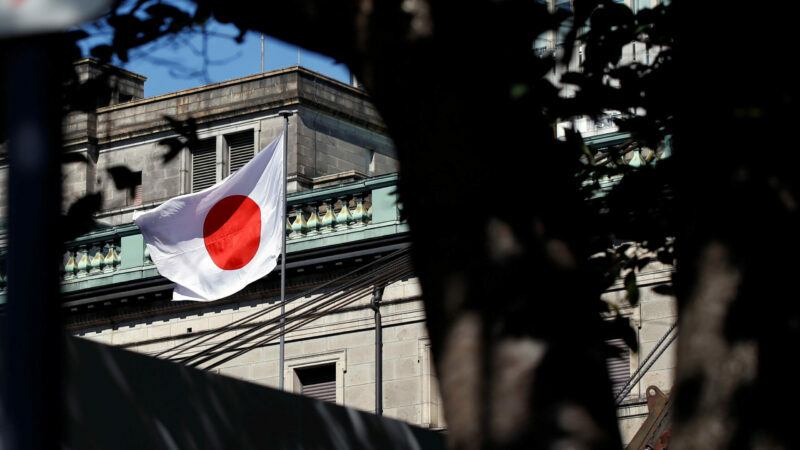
column 644, row 366
column 345, row 297
column 348, row 299
column 206, row 337
column 399, row 254
column 359, row 283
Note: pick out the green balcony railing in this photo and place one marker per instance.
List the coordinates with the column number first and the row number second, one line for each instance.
column 334, row 215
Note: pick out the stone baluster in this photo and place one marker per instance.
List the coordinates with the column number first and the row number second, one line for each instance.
column 314, row 222
column 299, row 226
column 359, row 213
column 83, row 262
column 117, row 256
column 368, row 208
column 108, row 261
column 70, row 266
column 344, row 218
column 146, row 254
column 96, row 259
column 288, row 227
column 329, row 219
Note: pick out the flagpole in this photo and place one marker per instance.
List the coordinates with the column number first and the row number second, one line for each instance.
column 285, row 114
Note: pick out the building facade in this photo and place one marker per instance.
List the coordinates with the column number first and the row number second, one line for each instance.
column 346, row 246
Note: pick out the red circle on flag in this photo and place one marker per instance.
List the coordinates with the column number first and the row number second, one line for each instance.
column 232, row 232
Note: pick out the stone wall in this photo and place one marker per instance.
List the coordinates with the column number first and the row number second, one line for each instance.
column 160, row 180
column 77, row 178
column 651, row 318
column 335, row 130
column 346, row 339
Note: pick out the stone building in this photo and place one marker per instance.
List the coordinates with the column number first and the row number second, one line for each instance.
column 346, row 245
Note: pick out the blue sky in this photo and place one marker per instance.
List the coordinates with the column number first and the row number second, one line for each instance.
column 177, row 63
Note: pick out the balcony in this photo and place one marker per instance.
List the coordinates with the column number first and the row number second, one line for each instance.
column 332, row 216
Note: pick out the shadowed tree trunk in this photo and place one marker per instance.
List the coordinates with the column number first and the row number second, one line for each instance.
column 501, row 231
column 739, row 315
column 496, row 220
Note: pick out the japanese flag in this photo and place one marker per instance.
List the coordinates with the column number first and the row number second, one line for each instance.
column 215, row 242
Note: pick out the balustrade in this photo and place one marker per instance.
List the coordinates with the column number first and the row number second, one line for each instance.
column 310, row 213
column 92, row 258
column 327, row 215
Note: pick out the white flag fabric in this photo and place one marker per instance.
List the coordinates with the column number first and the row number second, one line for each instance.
column 215, row 242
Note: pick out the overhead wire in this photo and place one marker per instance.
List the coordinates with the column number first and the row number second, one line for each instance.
column 624, row 392
column 341, row 298
column 348, row 299
column 398, row 255
column 186, row 345
column 361, row 281
column 644, row 366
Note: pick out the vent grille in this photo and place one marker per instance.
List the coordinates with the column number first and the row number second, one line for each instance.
column 204, row 171
column 322, row 391
column 618, row 363
column 241, row 150
column 137, row 195
column 318, row 382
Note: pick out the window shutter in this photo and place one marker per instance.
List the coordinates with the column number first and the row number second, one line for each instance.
column 240, row 150
column 318, row 382
column 137, row 195
column 618, row 363
column 204, row 172
column 325, row 390
column 136, row 181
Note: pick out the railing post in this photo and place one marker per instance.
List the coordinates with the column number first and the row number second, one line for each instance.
column 132, row 251
column 384, row 204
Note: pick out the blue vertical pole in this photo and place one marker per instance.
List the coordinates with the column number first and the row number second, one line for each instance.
column 285, row 115
column 32, row 334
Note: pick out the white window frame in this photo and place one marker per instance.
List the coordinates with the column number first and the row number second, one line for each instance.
column 292, row 382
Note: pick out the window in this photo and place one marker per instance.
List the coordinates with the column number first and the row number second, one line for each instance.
column 218, row 157
column 319, row 375
column 240, row 150
column 318, row 382
column 136, row 181
column 204, row 168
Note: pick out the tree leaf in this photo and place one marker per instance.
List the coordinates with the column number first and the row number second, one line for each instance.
column 632, row 288
column 665, row 257
column 664, row 289
column 174, row 145
column 102, row 52
column 643, row 262
column 124, row 178
column 79, row 219
column 73, row 157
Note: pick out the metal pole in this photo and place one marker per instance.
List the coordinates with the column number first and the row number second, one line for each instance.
column 375, row 304
column 262, row 52
column 285, row 115
column 32, row 335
